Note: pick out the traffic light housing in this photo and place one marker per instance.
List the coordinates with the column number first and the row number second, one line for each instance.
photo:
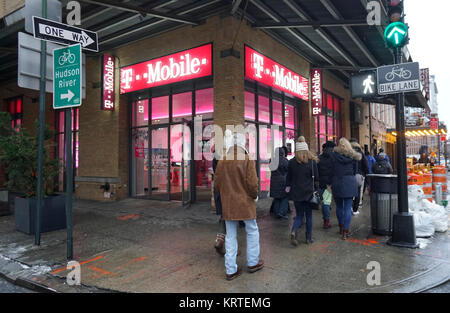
column 396, row 33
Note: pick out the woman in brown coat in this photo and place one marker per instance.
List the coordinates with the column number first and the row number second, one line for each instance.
column 237, row 184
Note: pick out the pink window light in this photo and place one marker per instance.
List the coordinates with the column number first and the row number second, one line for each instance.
column 204, row 102
column 277, row 117
column 289, row 116
column 140, row 113
column 182, row 105
column 249, row 109
column 160, row 109
column 264, row 109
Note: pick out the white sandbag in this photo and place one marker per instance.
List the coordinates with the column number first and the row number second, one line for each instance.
column 415, row 193
column 438, row 214
column 423, row 224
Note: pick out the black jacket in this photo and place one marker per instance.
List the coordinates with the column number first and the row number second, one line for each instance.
column 299, row 178
column 345, row 165
column 363, row 165
column 325, row 167
column 278, row 176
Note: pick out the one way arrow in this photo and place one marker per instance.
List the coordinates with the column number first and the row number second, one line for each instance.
column 83, row 38
column 69, row 95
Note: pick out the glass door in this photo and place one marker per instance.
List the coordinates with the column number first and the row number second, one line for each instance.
column 180, row 162
column 186, row 165
column 159, row 178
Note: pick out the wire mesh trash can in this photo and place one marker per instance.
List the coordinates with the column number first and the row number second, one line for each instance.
column 383, row 202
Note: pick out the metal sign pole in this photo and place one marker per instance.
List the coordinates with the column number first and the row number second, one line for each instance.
column 69, row 181
column 37, row 239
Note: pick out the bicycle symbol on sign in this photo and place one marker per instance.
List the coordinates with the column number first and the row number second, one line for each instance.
column 66, row 57
column 397, row 72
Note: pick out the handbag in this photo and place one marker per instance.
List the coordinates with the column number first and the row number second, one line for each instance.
column 315, row 199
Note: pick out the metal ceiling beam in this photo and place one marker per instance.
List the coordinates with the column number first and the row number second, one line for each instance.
column 303, row 15
column 298, row 36
column 121, row 21
column 336, row 15
column 313, row 24
column 134, row 29
column 137, row 9
column 236, row 4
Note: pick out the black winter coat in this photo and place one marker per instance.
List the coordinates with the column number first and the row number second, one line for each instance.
column 343, row 182
column 278, row 177
column 363, row 165
column 325, row 168
column 299, row 178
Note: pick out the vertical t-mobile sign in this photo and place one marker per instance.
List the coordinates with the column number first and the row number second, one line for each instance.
column 177, row 67
column 108, row 83
column 316, row 91
column 263, row 69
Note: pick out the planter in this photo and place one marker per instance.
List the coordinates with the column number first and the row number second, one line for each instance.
column 53, row 214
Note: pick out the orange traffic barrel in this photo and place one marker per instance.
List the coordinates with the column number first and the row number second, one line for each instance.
column 428, row 186
column 439, row 176
column 415, row 179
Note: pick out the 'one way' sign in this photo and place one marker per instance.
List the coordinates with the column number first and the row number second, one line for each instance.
column 62, row 33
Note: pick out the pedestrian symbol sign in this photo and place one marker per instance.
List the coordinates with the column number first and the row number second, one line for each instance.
column 368, row 83
column 67, row 77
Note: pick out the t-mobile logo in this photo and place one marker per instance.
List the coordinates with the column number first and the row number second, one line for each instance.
column 127, row 77
column 258, row 62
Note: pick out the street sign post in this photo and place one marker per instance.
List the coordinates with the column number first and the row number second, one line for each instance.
column 398, row 78
column 65, row 34
column 363, row 84
column 67, row 72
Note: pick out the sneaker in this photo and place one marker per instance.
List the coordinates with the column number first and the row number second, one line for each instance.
column 286, row 217
column 235, row 275
column 355, row 213
column 257, row 267
column 293, row 238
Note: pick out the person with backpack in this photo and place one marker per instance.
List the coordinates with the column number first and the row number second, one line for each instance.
column 278, row 186
column 382, row 166
column 325, row 168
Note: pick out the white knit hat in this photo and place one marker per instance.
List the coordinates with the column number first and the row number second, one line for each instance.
column 301, row 146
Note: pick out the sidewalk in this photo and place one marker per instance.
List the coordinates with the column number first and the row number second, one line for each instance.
column 150, row 246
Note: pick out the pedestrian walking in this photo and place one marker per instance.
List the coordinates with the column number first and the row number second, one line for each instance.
column 343, row 183
column 387, row 157
column 278, row 185
column 382, row 166
column 220, row 237
column 370, row 159
column 301, row 183
column 361, row 173
column 325, row 168
column 237, row 183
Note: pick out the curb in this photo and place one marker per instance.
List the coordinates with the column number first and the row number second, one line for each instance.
column 28, row 284
column 443, row 282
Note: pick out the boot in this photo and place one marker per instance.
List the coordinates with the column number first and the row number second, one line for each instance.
column 345, row 234
column 309, row 239
column 341, row 229
column 293, row 238
column 220, row 244
column 326, row 224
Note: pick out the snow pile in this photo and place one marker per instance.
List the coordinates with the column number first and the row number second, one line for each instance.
column 428, row 216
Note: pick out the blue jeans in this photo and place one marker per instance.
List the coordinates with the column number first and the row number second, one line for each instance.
column 344, row 211
column 231, row 245
column 280, row 206
column 302, row 209
column 326, row 211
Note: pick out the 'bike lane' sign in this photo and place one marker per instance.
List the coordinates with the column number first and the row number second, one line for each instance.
column 67, row 77
column 396, row 78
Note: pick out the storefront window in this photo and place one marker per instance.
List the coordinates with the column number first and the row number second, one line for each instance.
column 160, row 110
column 328, row 125
column 277, row 116
column 249, row 100
column 140, row 113
column 263, row 109
column 204, row 103
column 182, row 106
column 141, row 160
column 14, row 107
column 61, row 145
column 289, row 116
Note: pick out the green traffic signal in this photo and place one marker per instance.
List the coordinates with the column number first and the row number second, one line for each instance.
column 396, row 34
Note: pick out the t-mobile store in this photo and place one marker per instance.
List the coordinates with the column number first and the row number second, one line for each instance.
column 166, row 94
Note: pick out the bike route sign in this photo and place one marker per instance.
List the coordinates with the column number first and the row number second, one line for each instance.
column 67, row 77
column 397, row 78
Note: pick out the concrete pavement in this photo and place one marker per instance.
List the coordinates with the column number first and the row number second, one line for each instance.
column 150, row 246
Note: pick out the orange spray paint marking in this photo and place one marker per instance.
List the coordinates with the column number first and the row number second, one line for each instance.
column 366, row 242
column 142, row 258
column 88, row 261
column 127, row 217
